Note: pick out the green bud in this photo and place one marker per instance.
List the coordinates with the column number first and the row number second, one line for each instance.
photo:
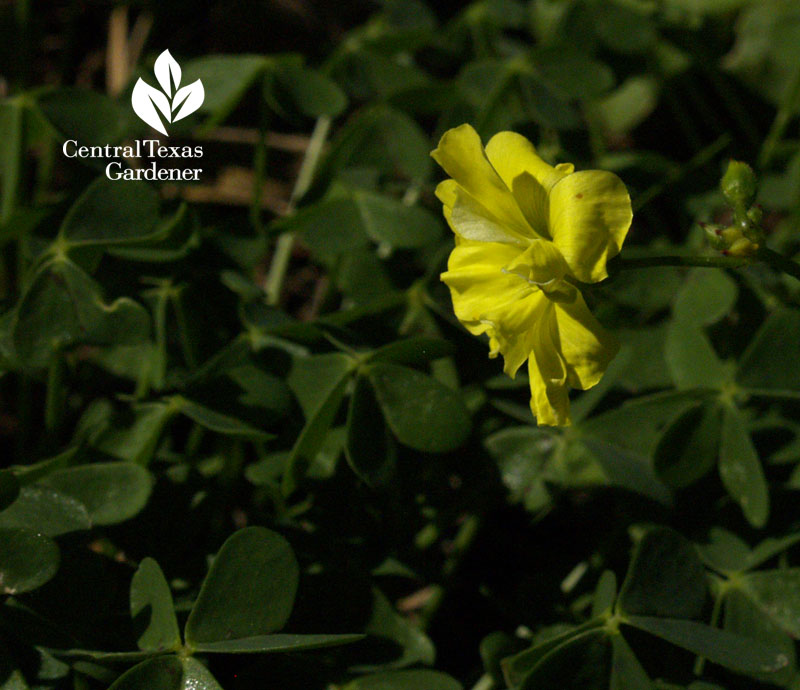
column 730, row 240
column 714, row 235
column 754, row 215
column 739, row 183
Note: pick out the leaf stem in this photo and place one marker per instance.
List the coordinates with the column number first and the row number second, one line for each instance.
column 624, row 264
column 54, row 401
column 259, row 169
column 772, row 258
column 716, row 612
column 700, row 159
column 187, row 342
column 779, row 262
column 485, row 683
column 781, row 121
column 283, row 248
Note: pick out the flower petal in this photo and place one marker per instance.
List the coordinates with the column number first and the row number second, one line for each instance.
column 532, row 200
column 470, row 219
column 461, row 154
column 587, row 347
column 511, row 154
column 547, row 372
column 477, row 281
column 515, row 328
column 446, row 192
column 489, row 299
column 541, row 263
column 590, row 213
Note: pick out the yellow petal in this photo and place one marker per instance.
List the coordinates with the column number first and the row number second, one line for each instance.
column 446, row 192
column 511, row 154
column 587, row 347
column 547, row 372
column 532, row 200
column 487, row 298
column 470, row 219
column 590, row 213
column 477, row 282
column 541, row 263
column 516, row 327
column 461, row 154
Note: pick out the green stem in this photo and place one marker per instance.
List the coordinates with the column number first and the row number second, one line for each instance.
column 23, row 42
column 781, row 121
column 259, row 170
column 716, row 612
column 14, row 111
column 623, row 264
column 159, row 371
column 24, row 414
column 779, row 262
column 54, row 402
column 11, row 168
column 283, row 248
column 700, row 159
column 772, row 258
column 594, row 124
column 187, row 344
column 462, row 543
column 193, row 442
column 485, row 683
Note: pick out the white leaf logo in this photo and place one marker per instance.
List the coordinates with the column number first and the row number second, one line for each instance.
column 168, row 72
column 171, row 103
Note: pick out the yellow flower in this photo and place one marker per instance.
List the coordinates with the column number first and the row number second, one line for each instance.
column 525, row 233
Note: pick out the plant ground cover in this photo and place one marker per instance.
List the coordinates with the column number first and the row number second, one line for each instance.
column 248, row 442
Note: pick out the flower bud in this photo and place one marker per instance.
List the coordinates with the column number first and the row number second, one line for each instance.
column 741, row 247
column 713, row 233
column 739, row 184
column 730, row 240
column 755, row 215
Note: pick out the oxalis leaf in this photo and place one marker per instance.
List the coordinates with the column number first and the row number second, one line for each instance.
column 152, row 609
column 369, row 448
column 407, row 396
column 27, row 560
column 46, row 511
column 626, row 670
column 422, row 679
column 770, row 361
column 87, row 116
column 319, row 383
column 63, row 306
column 665, row 578
column 112, row 212
column 167, row 673
column 225, row 610
column 225, row 78
column 777, row 594
column 580, row 662
column 350, row 217
column 262, row 644
column 111, row 491
column 718, row 646
column 740, row 469
column 745, row 617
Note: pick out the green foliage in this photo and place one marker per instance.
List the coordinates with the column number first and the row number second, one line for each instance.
column 240, row 418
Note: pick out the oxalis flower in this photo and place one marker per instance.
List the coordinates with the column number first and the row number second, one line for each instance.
column 525, row 233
